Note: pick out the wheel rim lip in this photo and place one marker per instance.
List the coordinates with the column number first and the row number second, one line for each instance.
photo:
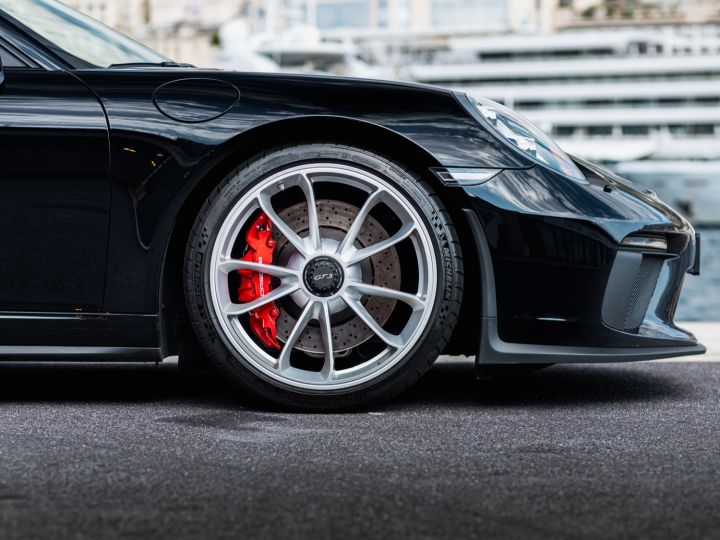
column 241, row 344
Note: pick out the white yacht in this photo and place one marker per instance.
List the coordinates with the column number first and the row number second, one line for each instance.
column 643, row 101
column 689, row 186
column 298, row 49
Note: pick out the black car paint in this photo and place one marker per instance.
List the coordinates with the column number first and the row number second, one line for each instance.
column 553, row 243
column 157, row 161
column 551, row 240
column 55, row 204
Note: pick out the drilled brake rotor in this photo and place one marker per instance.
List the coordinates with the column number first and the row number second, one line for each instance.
column 382, row 270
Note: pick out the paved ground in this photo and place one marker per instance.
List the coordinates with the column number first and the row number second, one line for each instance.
column 570, row 452
column 708, row 333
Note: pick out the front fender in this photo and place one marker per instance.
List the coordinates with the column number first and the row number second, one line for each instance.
column 158, row 159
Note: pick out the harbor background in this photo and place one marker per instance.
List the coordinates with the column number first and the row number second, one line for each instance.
column 700, row 299
column 634, row 85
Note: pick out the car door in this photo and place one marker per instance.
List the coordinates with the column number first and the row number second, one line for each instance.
column 54, row 190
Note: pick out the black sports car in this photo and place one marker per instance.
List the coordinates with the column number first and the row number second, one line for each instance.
column 321, row 240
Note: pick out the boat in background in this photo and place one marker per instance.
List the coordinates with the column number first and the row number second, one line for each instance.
column 298, row 49
column 693, row 187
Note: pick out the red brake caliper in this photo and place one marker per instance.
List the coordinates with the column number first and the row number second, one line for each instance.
column 255, row 285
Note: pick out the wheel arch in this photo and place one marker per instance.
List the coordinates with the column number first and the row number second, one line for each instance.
column 176, row 335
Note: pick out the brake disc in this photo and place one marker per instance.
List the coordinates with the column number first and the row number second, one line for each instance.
column 383, row 270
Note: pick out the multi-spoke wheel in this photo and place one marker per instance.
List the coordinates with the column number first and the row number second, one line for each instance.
column 352, row 307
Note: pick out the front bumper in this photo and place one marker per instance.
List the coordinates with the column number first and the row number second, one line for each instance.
column 563, row 287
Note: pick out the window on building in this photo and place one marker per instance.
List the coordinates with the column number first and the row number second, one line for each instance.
column 635, row 131
column 480, row 13
column 600, row 131
column 597, row 103
column 563, row 131
column 703, row 130
column 530, row 104
column 146, row 11
column 678, row 129
column 343, row 15
column 692, row 130
column 670, row 102
column 383, row 13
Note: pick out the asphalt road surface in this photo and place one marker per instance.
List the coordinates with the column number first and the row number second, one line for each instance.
column 570, row 452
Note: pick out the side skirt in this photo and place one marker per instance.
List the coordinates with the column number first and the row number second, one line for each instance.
column 78, row 354
column 84, row 337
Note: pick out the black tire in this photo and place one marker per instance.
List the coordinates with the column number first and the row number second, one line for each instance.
column 435, row 335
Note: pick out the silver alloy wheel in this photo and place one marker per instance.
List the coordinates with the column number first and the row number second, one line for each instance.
column 314, row 249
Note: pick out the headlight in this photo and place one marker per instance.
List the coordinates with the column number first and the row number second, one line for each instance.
column 522, row 134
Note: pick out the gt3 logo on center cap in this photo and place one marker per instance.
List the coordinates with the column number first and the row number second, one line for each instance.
column 323, row 276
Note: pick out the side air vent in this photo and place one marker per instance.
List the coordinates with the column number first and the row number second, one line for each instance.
column 630, row 288
column 642, row 292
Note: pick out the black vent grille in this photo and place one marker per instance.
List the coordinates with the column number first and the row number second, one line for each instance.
column 631, row 285
column 642, row 291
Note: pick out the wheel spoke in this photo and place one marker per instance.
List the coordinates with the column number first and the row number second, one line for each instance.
column 283, row 361
column 293, row 237
column 233, row 310
column 412, row 300
column 230, row 265
column 313, row 224
column 390, row 339
column 349, row 240
column 328, row 370
column 360, row 254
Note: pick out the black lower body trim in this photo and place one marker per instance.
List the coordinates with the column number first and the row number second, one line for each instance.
column 79, row 354
column 493, row 350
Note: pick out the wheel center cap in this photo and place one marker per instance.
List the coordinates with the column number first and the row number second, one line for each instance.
column 323, row 276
